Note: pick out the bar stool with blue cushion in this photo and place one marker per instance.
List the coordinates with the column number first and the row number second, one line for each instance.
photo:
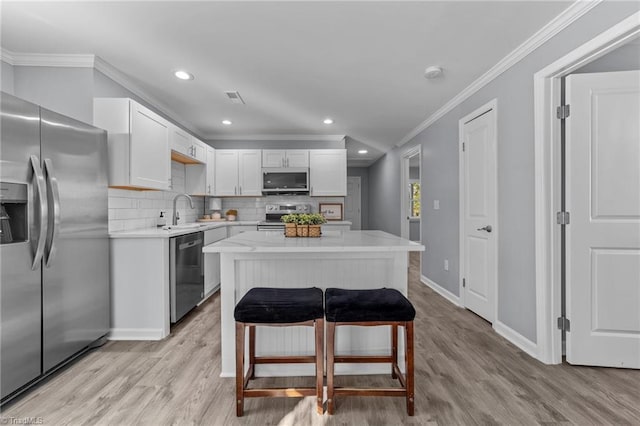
column 375, row 307
column 277, row 307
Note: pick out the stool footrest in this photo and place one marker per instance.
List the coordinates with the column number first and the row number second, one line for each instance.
column 363, row 359
column 399, row 375
column 284, row 359
column 282, row 392
column 370, row 392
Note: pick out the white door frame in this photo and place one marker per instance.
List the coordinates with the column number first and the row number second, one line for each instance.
column 404, row 195
column 547, row 83
column 491, row 105
column 359, row 180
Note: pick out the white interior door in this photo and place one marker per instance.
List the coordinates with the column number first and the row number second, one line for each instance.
column 479, row 243
column 603, row 237
column 352, row 203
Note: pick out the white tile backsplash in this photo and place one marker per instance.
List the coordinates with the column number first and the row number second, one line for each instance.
column 141, row 209
column 252, row 208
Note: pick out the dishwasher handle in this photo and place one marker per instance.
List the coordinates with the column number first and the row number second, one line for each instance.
column 185, row 246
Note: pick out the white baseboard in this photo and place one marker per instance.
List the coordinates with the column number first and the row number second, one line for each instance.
column 516, row 338
column 440, row 290
column 136, row 334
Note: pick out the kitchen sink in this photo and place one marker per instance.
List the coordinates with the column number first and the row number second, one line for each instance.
column 185, row 226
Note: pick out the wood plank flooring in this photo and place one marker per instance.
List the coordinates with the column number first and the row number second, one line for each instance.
column 465, row 374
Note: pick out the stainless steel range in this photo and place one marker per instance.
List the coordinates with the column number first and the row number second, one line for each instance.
column 275, row 211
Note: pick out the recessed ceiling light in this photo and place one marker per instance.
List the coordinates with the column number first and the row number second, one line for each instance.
column 328, row 121
column 183, row 75
column 362, row 151
column 227, row 122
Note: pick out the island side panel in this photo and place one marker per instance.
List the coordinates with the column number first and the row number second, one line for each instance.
column 354, row 270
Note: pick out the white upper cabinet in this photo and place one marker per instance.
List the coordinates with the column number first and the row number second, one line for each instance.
column 180, row 140
column 185, row 148
column 211, row 166
column 250, row 172
column 226, row 172
column 328, row 172
column 199, row 150
column 285, row 158
column 238, row 172
column 138, row 143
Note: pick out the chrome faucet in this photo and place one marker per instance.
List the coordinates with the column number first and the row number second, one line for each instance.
column 175, row 210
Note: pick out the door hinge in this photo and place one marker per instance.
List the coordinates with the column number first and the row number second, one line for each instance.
column 462, row 146
column 564, row 324
column 563, row 218
column 464, row 282
column 563, row 112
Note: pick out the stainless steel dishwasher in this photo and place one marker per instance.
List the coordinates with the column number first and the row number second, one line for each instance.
column 186, row 273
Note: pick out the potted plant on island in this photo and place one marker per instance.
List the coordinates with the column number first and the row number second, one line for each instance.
column 315, row 224
column 302, row 226
column 290, row 223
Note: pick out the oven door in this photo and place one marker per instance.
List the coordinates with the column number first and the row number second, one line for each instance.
column 187, row 273
column 271, row 226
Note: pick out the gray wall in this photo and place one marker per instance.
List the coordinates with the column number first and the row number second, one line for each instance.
column 363, row 173
column 414, row 230
column 68, row 91
column 6, row 72
column 514, row 92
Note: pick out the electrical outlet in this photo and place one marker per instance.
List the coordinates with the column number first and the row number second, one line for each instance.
column 446, row 264
column 436, row 204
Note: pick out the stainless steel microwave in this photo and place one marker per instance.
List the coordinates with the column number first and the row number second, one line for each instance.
column 289, row 180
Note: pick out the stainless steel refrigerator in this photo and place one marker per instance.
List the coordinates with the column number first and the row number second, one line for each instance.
column 54, row 246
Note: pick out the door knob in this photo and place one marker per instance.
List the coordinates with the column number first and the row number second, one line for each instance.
column 485, row 228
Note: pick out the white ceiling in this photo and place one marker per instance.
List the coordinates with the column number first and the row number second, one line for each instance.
column 294, row 63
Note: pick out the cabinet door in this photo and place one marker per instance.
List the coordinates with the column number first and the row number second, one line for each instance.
column 239, row 229
column 180, row 141
column 226, row 172
column 328, row 172
column 297, row 158
column 199, row 150
column 211, row 166
column 273, row 158
column 150, row 162
column 250, row 172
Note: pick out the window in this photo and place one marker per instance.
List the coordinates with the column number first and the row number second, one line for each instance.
column 414, row 198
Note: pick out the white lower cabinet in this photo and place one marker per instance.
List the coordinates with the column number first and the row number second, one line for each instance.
column 212, row 261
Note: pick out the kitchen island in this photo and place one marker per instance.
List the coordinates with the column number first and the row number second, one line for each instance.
column 346, row 259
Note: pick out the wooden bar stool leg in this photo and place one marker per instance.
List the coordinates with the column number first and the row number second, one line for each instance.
column 409, row 372
column 319, row 329
column 239, row 369
column 331, row 334
column 394, row 350
column 252, row 351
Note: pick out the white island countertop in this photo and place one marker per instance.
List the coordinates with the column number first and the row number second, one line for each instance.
column 330, row 241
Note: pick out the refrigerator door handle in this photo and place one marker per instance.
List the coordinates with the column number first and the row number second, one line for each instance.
column 42, row 197
column 52, row 186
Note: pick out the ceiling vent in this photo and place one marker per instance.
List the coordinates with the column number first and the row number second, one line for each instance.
column 234, row 97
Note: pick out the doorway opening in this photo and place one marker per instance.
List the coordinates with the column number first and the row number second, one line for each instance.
column 548, row 182
column 411, row 218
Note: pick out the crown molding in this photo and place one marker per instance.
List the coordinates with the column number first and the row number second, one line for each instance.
column 47, row 59
column 322, row 138
column 559, row 23
column 97, row 63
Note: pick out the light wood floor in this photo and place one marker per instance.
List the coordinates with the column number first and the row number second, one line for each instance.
column 465, row 374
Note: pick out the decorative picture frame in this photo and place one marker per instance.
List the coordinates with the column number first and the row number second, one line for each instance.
column 331, row 211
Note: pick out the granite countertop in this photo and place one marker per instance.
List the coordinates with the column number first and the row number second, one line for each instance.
column 170, row 231
column 330, row 241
